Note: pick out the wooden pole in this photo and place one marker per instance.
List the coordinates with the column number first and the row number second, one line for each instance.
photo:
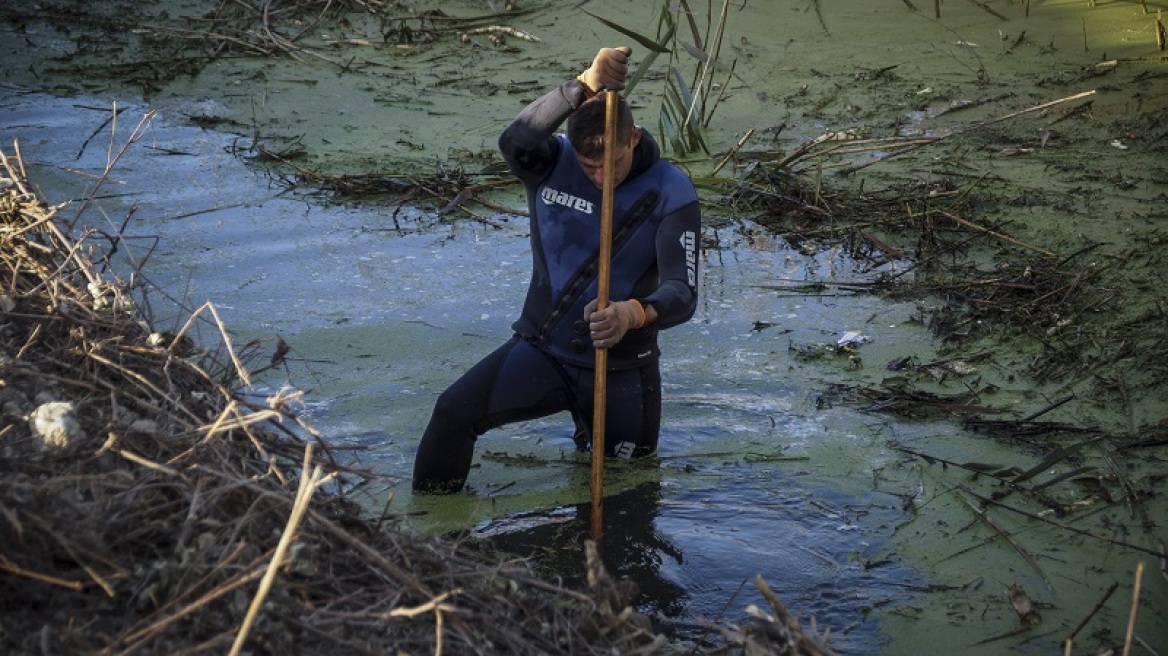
column 600, row 395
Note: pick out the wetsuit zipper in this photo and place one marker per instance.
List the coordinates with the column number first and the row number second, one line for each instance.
column 640, row 211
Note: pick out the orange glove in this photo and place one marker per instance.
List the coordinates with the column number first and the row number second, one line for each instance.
column 608, row 326
column 609, row 70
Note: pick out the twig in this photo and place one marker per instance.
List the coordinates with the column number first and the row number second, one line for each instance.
column 504, row 29
column 981, row 514
column 702, row 639
column 1131, row 618
column 11, row 568
column 989, row 10
column 308, row 484
column 1056, row 404
column 239, row 368
column 972, row 127
column 1130, row 494
column 1065, row 527
column 112, row 159
column 111, row 446
column 733, row 151
column 436, row 604
column 99, row 128
column 819, row 17
column 997, row 235
column 1091, row 613
column 400, row 574
column 134, row 640
column 141, row 381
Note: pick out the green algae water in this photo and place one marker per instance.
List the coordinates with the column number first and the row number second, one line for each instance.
column 895, row 530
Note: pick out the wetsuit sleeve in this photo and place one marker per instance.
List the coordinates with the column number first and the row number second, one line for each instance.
column 527, row 144
column 676, row 298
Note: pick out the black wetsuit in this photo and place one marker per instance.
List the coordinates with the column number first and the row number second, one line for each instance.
column 546, row 367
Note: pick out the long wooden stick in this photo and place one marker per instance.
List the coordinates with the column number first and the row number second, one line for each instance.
column 600, row 393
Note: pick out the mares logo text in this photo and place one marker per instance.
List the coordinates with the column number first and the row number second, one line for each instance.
column 689, row 243
column 553, row 197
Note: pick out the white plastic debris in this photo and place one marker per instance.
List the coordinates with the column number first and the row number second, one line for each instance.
column 55, row 424
column 853, row 338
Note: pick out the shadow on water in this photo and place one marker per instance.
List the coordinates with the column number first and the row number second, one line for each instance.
column 631, row 545
column 694, row 553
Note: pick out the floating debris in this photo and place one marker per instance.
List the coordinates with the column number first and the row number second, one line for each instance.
column 852, row 338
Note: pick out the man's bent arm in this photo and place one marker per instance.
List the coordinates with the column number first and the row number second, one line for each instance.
column 526, row 144
column 676, row 298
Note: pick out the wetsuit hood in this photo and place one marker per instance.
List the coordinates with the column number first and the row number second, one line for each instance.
column 646, row 154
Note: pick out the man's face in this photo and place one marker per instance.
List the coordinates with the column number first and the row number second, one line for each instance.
column 594, row 168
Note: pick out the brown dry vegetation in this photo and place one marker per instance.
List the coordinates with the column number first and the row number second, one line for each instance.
column 157, row 511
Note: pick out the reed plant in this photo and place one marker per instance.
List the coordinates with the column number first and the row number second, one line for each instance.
column 692, row 44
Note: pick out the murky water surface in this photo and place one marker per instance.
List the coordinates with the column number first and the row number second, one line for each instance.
column 757, row 476
column 762, row 474
column 383, row 313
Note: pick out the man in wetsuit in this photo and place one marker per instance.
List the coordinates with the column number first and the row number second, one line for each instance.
column 547, row 366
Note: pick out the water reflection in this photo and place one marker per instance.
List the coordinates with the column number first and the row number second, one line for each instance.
column 693, row 541
column 631, row 544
